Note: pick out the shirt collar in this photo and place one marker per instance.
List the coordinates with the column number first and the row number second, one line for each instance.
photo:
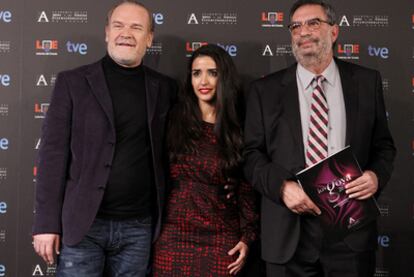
column 307, row 76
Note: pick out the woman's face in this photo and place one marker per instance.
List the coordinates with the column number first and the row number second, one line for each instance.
column 204, row 78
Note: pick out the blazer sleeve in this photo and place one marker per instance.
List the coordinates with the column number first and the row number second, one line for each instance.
column 265, row 175
column 53, row 161
column 382, row 146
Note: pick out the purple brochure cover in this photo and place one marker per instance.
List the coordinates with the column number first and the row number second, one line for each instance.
column 325, row 183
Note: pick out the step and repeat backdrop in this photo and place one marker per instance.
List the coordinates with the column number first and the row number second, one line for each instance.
column 40, row 38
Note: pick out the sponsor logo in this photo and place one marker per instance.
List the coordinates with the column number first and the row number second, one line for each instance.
column 158, row 18
column 412, row 83
column 272, row 19
column 5, row 16
column 34, row 173
column 364, row 21
column 4, row 110
column 385, row 84
column 4, row 46
column 412, row 20
column 2, row 270
column 344, row 21
column 50, row 270
column 3, row 207
column 212, row 18
column 384, row 209
column 384, row 241
column 75, row 47
column 155, row 49
column 381, row 52
column 381, row 272
column 42, row 81
column 3, row 173
column 278, row 50
column 62, row 17
column 2, row 235
column 190, row 47
column 370, row 20
column 348, row 51
column 40, row 110
column 4, row 144
column 46, row 47
column 5, row 80
column 37, row 144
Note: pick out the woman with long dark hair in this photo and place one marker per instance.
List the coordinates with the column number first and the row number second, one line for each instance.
column 205, row 233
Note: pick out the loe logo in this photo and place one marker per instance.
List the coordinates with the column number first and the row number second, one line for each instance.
column 190, row 47
column 158, row 18
column 5, row 16
column 381, row 52
column 348, row 49
column 4, row 144
column 272, row 19
column 3, row 207
column 5, row 80
column 384, row 241
column 46, row 47
column 74, row 47
column 41, row 110
column 2, row 270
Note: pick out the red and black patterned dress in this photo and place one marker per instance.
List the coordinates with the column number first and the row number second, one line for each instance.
column 201, row 225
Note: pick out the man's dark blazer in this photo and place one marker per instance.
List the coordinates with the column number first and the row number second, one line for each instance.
column 78, row 145
column 274, row 149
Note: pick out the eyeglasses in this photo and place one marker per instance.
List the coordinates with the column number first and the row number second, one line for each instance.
column 312, row 25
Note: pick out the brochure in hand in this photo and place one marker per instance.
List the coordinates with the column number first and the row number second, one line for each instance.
column 325, row 181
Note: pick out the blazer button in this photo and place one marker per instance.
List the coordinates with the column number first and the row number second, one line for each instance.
column 108, row 165
column 101, row 187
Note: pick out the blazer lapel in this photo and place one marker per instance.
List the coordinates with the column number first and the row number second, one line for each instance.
column 292, row 109
column 151, row 87
column 97, row 81
column 350, row 92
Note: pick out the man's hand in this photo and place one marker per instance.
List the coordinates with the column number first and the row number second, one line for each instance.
column 297, row 200
column 363, row 187
column 45, row 245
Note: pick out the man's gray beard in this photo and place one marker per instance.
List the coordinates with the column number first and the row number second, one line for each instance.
column 311, row 59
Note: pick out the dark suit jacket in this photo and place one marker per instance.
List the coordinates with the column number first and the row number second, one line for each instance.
column 274, row 149
column 77, row 149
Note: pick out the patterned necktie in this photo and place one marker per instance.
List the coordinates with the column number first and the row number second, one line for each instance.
column 318, row 125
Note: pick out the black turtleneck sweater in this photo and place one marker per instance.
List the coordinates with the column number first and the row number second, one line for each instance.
column 128, row 191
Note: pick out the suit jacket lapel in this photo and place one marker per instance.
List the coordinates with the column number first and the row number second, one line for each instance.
column 350, row 92
column 151, row 87
column 292, row 109
column 97, row 81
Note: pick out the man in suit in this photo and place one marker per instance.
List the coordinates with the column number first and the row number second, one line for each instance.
column 100, row 185
column 280, row 141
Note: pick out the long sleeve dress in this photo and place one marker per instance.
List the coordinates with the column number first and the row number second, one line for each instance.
column 201, row 225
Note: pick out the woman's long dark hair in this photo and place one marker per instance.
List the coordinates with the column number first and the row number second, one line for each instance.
column 185, row 125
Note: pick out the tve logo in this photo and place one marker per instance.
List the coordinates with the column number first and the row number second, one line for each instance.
column 5, row 80
column 2, row 270
column 230, row 48
column 5, row 16
column 4, row 144
column 75, row 47
column 3, row 207
column 158, row 18
column 384, row 241
column 382, row 52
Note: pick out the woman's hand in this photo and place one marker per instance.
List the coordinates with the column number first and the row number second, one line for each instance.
column 243, row 249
